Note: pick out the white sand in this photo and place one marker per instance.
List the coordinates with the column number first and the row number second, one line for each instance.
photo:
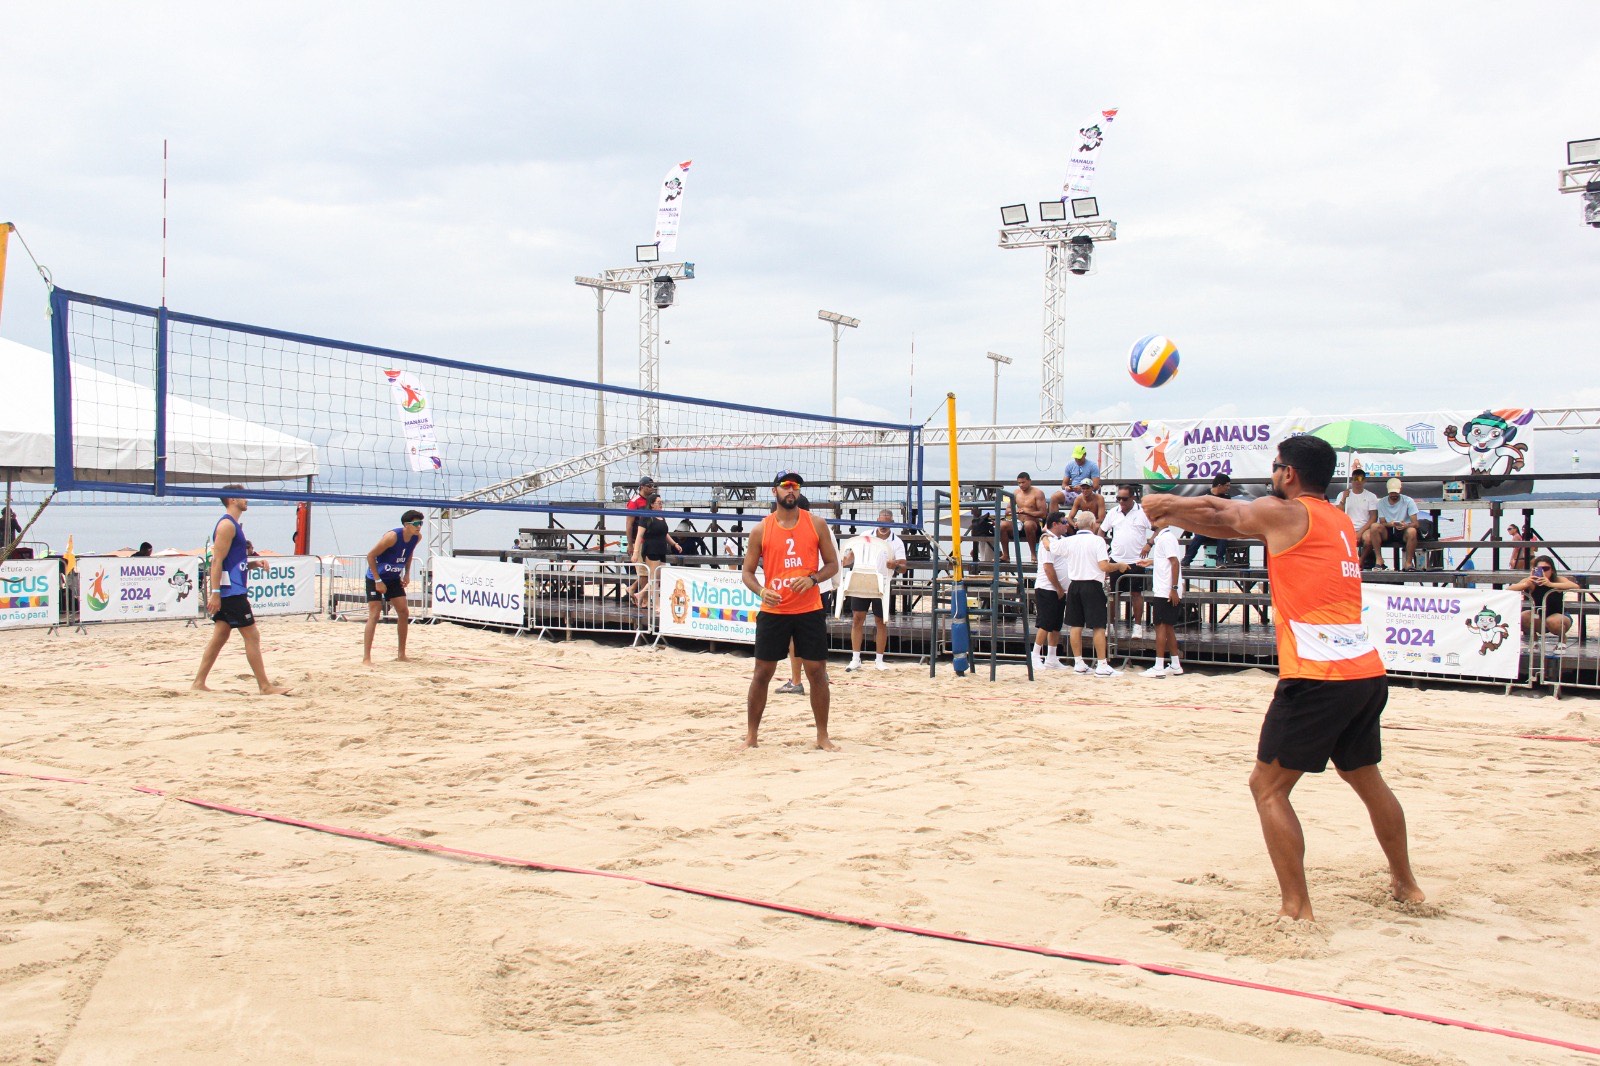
column 1104, row 817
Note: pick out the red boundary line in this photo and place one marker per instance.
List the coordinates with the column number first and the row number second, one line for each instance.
column 843, row 919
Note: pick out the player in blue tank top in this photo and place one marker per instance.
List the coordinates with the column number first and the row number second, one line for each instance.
column 229, row 600
column 388, row 573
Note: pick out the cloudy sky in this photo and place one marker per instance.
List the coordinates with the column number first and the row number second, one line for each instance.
column 1333, row 207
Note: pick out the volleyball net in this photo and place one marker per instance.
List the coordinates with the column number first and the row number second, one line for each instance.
column 159, row 403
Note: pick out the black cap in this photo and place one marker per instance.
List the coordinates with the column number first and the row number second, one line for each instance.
column 788, row 476
column 647, row 480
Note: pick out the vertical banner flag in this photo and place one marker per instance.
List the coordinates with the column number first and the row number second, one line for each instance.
column 1080, row 169
column 421, row 447
column 5, row 237
column 669, row 208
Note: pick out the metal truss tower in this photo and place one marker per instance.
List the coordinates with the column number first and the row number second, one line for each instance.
column 643, row 279
column 1056, row 239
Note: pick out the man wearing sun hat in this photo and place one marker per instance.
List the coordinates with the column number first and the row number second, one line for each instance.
column 795, row 553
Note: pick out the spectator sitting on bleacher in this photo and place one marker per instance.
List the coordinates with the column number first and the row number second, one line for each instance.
column 1030, row 508
column 1221, row 485
column 1360, row 505
column 1089, row 502
column 1546, row 591
column 1396, row 524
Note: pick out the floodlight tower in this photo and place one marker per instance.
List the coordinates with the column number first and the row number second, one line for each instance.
column 1582, row 175
column 994, row 410
column 838, row 321
column 1069, row 248
column 656, row 283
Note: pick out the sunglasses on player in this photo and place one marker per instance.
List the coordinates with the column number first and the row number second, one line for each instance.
column 787, row 485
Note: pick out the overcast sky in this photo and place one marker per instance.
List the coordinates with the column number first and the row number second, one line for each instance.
column 1335, row 207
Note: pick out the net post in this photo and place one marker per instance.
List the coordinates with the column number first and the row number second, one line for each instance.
column 955, row 486
column 161, row 402
column 62, row 365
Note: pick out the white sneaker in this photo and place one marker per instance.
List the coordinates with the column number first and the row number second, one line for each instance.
column 1156, row 671
column 881, row 665
column 1560, row 648
column 1173, row 669
column 1105, row 670
column 855, row 664
column 1054, row 664
column 1138, row 631
column 1080, row 667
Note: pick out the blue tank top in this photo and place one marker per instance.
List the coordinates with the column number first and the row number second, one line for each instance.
column 392, row 561
column 236, row 563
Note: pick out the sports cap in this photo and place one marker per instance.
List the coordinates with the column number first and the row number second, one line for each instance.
column 1080, row 452
column 647, row 480
column 789, row 476
column 1393, row 485
column 1087, row 481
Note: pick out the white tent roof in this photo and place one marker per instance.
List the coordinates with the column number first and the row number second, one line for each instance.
column 114, row 431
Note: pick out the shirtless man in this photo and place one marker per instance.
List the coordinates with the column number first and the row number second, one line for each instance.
column 1090, row 500
column 1331, row 682
column 796, row 554
column 1032, row 507
column 228, row 602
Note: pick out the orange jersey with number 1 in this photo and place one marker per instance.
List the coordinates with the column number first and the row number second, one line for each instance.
column 1316, row 590
column 785, row 555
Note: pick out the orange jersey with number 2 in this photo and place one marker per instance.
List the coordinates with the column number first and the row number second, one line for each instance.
column 785, row 555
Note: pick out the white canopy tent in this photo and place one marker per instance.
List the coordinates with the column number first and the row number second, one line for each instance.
column 114, row 431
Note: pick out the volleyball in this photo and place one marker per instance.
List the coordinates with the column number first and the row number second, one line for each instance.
column 1153, row 361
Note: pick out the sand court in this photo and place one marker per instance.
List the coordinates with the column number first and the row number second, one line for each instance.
column 1101, row 817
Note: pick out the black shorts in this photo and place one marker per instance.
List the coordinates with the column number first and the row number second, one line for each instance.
column 1135, row 580
column 1048, row 610
column 1310, row 722
column 1394, row 538
column 651, row 557
column 393, row 589
column 235, row 612
column 863, row 604
column 1086, row 605
column 1164, row 613
column 809, row 631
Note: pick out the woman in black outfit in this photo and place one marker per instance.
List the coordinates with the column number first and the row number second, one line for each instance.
column 1547, row 590
column 651, row 542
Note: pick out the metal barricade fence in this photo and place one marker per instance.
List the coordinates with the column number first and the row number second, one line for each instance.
column 1570, row 658
column 343, row 584
column 907, row 623
column 1221, row 626
column 593, row 595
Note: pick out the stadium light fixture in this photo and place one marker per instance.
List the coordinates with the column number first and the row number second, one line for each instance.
column 1086, row 207
column 662, row 290
column 1079, row 254
column 647, row 253
column 1591, row 203
column 994, row 410
column 1014, row 215
column 1052, row 211
column 1583, row 152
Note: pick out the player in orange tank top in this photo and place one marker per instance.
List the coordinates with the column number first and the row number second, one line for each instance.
column 795, row 553
column 1331, row 687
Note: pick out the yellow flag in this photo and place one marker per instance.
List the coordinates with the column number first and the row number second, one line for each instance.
column 5, row 237
column 70, row 556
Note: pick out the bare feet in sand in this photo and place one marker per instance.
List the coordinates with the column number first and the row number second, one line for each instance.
column 402, row 658
column 198, row 687
column 824, row 744
column 749, row 742
column 1409, row 892
column 275, row 690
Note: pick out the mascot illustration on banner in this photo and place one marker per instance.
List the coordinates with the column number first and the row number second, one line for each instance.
column 1489, row 627
column 1158, row 465
column 1486, row 439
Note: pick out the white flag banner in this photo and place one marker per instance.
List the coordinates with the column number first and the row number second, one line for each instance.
column 669, row 209
column 415, row 416
column 1080, row 170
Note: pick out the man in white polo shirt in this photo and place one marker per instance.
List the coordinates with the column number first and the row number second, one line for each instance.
column 1130, row 535
column 1360, row 505
column 1087, row 565
column 882, row 551
column 1049, row 595
column 1166, row 601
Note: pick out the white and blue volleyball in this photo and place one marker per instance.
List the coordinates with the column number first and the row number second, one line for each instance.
column 1153, row 361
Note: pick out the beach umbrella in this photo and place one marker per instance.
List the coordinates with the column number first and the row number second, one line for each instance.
column 1351, row 435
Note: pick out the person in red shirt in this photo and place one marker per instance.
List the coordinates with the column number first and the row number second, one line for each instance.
column 795, row 553
column 1332, row 686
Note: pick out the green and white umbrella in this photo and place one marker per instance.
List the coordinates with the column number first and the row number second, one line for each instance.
column 1355, row 436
